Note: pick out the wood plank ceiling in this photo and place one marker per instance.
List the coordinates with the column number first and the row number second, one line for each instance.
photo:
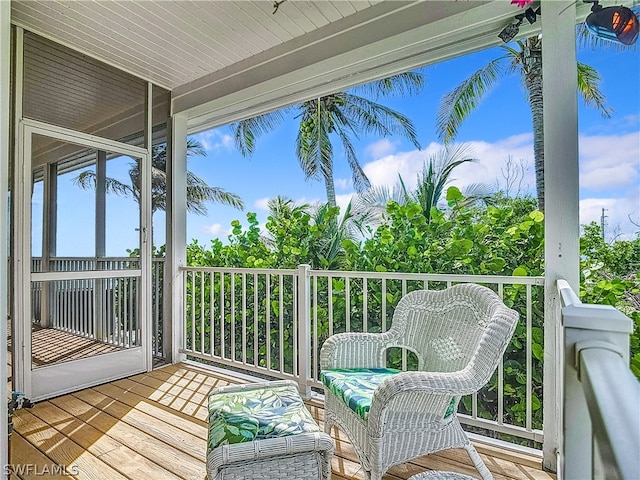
column 174, row 42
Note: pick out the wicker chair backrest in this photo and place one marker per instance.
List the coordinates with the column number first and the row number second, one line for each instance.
column 445, row 327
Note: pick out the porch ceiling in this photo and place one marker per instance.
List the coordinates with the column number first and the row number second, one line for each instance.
column 206, row 50
column 174, row 42
column 226, row 60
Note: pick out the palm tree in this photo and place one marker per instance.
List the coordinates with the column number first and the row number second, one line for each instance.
column 323, row 240
column 198, row 192
column 342, row 115
column 525, row 59
column 436, row 173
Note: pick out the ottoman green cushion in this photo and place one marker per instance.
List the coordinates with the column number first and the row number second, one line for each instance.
column 257, row 414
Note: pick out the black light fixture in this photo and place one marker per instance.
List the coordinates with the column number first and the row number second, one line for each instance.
column 618, row 24
column 510, row 31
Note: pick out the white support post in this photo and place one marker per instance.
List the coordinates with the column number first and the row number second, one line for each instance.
column 5, row 119
column 562, row 230
column 176, row 255
column 304, row 331
column 99, row 314
column 49, row 222
column 146, row 235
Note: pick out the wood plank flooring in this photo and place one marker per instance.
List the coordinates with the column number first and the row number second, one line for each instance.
column 153, row 426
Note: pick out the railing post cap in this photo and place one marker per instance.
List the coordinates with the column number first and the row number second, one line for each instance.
column 596, row 317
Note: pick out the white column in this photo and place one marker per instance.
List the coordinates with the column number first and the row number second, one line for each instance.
column 176, row 255
column 562, row 232
column 99, row 314
column 5, row 61
column 146, row 234
column 304, row 331
column 49, row 233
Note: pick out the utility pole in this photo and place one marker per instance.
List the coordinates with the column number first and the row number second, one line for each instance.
column 603, row 222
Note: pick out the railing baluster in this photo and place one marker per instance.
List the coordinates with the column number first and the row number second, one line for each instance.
column 315, row 364
column 212, row 308
column 223, row 339
column 383, row 289
column 365, row 305
column 501, row 374
column 233, row 316
column 202, row 313
column 528, row 354
column 267, row 316
column 243, row 315
column 347, row 303
column 281, row 320
column 330, row 303
column 256, row 342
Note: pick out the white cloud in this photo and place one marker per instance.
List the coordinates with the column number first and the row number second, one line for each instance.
column 262, row 204
column 343, row 200
column 609, row 168
column 380, row 148
column 608, row 162
column 620, row 213
column 214, row 229
column 214, row 141
column 491, row 158
column 343, row 183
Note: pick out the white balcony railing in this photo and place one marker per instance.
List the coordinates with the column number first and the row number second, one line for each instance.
column 601, row 395
column 101, row 309
column 273, row 322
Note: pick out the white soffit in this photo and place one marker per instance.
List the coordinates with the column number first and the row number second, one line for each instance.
column 171, row 43
column 227, row 60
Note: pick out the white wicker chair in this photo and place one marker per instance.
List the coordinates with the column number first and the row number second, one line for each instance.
column 458, row 335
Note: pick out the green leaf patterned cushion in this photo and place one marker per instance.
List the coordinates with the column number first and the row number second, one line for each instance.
column 258, row 414
column 355, row 386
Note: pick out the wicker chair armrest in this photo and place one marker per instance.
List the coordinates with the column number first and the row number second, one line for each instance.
column 413, row 391
column 354, row 350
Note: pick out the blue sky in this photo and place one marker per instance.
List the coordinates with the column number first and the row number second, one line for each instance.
column 501, row 127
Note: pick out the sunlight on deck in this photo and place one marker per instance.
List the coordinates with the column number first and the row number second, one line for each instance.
column 153, row 426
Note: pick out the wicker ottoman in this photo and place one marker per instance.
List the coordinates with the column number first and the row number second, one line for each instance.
column 437, row 475
column 264, row 431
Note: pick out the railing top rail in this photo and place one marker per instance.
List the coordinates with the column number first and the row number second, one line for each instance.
column 568, row 296
column 436, row 277
column 93, row 259
column 613, row 396
column 262, row 271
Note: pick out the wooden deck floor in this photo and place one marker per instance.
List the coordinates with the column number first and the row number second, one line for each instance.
column 152, row 426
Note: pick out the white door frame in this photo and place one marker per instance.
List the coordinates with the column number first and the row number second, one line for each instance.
column 56, row 379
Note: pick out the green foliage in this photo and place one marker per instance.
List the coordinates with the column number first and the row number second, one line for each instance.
column 506, row 238
column 611, row 276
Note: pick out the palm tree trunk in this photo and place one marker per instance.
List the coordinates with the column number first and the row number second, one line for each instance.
column 533, row 81
column 329, row 185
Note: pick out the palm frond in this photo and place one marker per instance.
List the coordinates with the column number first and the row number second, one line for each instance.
column 458, row 104
column 374, row 118
column 87, row 181
column 360, row 180
column 246, row 132
column 402, row 84
column 199, row 193
column 588, row 86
